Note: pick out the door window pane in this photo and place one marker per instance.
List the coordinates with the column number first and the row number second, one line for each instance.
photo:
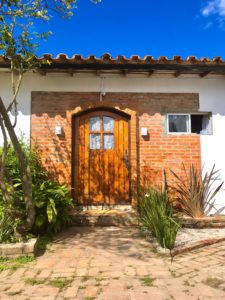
column 108, row 141
column 95, row 141
column 178, row 123
column 108, row 124
column 95, row 124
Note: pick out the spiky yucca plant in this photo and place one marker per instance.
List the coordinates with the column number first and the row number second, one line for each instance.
column 196, row 195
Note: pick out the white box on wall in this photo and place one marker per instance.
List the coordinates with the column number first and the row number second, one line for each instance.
column 58, row 130
column 144, row 131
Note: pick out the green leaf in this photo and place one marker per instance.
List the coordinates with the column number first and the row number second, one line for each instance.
column 40, row 221
column 17, row 184
column 49, row 212
column 39, row 203
column 52, row 202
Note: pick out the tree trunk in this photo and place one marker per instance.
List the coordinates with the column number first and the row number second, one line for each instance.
column 24, row 170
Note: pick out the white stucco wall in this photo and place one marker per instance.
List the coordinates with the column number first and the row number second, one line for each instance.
column 211, row 91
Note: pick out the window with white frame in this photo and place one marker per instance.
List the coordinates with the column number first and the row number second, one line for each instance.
column 199, row 123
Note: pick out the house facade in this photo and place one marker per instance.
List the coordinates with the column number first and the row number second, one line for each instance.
column 108, row 126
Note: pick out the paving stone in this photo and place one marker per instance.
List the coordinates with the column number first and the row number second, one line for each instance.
column 4, row 274
column 18, row 273
column 93, row 271
column 44, row 274
column 91, row 292
column 61, row 275
column 5, row 297
column 31, row 273
column 71, row 292
column 30, row 290
column 130, row 271
column 46, row 290
column 16, row 288
column 142, row 271
column 81, row 272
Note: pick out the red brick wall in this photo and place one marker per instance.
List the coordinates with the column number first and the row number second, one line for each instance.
column 149, row 156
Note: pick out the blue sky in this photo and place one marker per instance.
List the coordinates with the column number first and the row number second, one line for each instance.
column 142, row 27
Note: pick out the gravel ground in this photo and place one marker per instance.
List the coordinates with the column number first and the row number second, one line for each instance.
column 187, row 236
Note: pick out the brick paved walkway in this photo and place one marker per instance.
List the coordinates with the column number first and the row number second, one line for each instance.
column 115, row 263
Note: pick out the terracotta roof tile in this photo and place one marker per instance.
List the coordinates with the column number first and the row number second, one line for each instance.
column 122, row 59
column 217, row 59
column 134, row 63
column 177, row 58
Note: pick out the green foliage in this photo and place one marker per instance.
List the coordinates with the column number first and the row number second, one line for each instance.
column 147, row 281
column 195, row 195
column 156, row 214
column 18, row 45
column 51, row 199
column 18, row 42
column 24, row 259
column 53, row 203
column 14, row 263
column 60, row 283
column 3, row 259
column 33, row 281
column 7, row 229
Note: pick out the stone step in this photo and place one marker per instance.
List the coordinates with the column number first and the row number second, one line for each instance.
column 104, row 218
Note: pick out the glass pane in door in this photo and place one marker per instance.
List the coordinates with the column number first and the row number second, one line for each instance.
column 108, row 141
column 108, row 124
column 95, row 141
column 95, row 124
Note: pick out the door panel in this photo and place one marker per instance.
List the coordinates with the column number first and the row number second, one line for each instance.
column 101, row 171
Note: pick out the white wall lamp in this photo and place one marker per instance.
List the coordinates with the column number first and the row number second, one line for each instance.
column 58, row 130
column 144, row 131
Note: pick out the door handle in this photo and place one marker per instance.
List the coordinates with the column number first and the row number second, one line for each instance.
column 126, row 158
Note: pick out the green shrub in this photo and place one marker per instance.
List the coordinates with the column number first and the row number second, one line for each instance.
column 156, row 214
column 51, row 199
column 53, row 204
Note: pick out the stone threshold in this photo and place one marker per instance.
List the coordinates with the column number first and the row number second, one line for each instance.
column 105, row 217
column 21, row 248
column 103, row 207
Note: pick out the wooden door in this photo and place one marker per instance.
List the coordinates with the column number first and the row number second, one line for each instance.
column 101, row 159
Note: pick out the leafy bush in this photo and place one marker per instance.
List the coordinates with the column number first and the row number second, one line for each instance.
column 195, row 195
column 53, row 203
column 51, row 199
column 156, row 214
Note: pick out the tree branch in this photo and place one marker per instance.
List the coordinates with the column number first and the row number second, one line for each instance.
column 5, row 193
column 13, row 101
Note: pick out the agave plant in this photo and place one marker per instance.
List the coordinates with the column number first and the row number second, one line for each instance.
column 196, row 195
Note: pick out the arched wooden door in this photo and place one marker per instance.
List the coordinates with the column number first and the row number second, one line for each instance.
column 101, row 151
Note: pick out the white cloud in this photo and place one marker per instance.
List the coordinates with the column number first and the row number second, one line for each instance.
column 214, row 7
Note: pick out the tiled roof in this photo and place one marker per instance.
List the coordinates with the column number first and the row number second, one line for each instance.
column 177, row 64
